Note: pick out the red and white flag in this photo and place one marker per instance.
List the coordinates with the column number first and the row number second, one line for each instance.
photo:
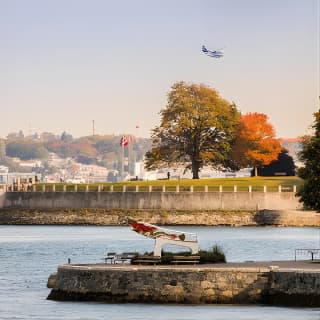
column 124, row 141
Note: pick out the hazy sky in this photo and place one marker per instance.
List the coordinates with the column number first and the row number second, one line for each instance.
column 64, row 63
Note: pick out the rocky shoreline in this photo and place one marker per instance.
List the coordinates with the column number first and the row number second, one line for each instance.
column 118, row 217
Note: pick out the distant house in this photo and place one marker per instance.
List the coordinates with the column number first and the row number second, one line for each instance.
column 76, row 180
column 4, row 169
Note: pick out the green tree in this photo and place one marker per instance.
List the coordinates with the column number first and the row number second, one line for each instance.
column 197, row 128
column 310, row 191
column 4, row 160
column 26, row 150
column 66, row 137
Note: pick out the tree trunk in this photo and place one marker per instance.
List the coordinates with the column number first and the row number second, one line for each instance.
column 195, row 170
column 255, row 171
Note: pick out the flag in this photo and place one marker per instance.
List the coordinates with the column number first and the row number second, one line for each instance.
column 124, row 141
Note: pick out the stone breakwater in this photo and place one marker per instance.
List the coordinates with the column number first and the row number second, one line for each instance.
column 104, row 217
column 187, row 284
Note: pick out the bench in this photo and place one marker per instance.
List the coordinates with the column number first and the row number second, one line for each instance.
column 110, row 257
column 113, row 257
column 185, row 260
column 144, row 259
column 124, row 257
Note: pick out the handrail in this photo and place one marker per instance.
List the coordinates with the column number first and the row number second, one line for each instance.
column 306, row 252
column 149, row 188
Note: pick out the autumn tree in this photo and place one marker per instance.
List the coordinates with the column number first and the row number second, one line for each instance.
column 61, row 148
column 255, row 144
column 310, row 154
column 197, row 128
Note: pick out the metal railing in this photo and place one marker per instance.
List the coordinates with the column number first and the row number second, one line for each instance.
column 306, row 252
column 146, row 188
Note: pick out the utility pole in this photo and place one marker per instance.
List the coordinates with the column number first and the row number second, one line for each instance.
column 93, row 128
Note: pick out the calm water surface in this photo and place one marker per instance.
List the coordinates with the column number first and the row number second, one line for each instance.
column 28, row 254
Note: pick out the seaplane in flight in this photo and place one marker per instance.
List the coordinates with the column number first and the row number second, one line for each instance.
column 213, row 54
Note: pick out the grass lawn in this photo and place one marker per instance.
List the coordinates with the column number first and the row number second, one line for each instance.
column 227, row 184
column 257, row 184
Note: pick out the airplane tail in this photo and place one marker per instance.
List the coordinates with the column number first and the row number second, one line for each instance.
column 204, row 49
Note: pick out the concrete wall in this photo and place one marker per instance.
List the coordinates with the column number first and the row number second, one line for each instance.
column 228, row 201
column 186, row 285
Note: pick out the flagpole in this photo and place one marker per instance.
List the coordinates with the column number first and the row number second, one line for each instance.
column 135, row 152
column 128, row 146
column 122, row 163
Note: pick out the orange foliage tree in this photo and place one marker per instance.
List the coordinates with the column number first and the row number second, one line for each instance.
column 83, row 147
column 255, row 144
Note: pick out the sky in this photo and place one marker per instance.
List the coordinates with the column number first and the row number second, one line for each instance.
column 67, row 63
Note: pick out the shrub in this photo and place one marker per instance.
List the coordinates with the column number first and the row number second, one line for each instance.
column 214, row 255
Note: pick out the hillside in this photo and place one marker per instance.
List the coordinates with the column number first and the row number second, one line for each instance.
column 63, row 152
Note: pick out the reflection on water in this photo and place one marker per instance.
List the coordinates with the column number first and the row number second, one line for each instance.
column 28, row 254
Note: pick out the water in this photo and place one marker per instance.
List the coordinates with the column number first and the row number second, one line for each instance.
column 28, row 254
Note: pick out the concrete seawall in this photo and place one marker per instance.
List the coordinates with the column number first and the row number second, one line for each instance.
column 224, row 284
column 165, row 208
column 227, row 201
